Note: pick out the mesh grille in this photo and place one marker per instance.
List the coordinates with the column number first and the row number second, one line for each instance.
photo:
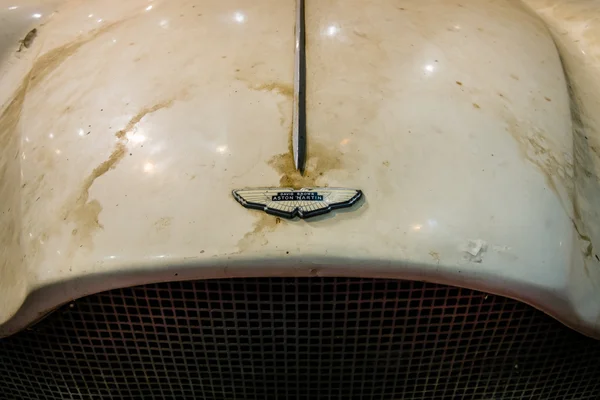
column 298, row 338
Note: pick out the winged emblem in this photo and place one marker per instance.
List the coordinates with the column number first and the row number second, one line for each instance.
column 303, row 203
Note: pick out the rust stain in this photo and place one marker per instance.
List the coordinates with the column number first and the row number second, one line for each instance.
column 459, row 83
column 547, row 98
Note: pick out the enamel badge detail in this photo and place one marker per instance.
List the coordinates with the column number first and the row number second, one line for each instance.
column 291, row 203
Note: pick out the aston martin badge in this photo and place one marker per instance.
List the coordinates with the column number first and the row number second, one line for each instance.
column 306, row 202
column 303, row 203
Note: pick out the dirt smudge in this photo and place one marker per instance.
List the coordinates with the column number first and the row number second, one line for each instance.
column 586, row 183
column 435, row 255
column 141, row 114
column 42, row 67
column 264, row 224
column 320, row 160
column 275, row 87
column 282, row 89
column 50, row 61
column 27, row 41
column 10, row 117
column 567, row 176
column 577, row 221
column 582, row 86
column 536, row 148
column 11, row 189
column 162, row 223
column 29, row 191
column 11, row 252
column 83, row 212
column 360, row 34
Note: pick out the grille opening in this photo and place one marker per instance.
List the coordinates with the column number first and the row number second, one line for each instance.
column 298, row 338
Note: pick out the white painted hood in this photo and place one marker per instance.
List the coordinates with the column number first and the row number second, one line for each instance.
column 126, row 125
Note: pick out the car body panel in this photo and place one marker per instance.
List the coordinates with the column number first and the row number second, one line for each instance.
column 126, row 126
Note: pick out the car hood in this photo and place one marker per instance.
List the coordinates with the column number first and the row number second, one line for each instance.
column 125, row 126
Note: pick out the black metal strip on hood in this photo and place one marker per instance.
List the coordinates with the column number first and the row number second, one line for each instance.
column 299, row 113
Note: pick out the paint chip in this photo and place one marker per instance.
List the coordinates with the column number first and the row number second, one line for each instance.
column 474, row 250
